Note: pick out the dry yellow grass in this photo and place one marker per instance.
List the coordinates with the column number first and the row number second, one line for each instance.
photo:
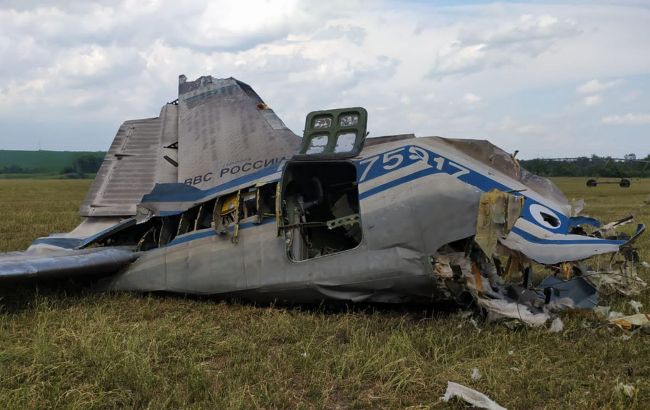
column 67, row 347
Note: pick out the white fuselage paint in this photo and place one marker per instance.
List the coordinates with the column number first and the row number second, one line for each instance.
column 415, row 196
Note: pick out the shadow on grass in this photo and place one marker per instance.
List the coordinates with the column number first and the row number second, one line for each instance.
column 22, row 295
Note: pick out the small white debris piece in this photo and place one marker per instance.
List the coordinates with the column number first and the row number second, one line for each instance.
column 499, row 309
column 560, row 304
column 614, row 315
column 602, row 312
column 632, row 322
column 476, row 374
column 471, row 396
column 645, row 264
column 577, row 205
column 556, row 326
column 636, row 305
column 627, row 282
column 473, row 322
column 511, row 352
column 626, row 389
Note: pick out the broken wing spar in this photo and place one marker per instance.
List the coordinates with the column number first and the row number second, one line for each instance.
column 394, row 219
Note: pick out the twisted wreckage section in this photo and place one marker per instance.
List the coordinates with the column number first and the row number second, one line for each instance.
column 494, row 271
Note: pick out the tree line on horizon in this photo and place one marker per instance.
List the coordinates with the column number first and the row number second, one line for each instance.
column 594, row 166
column 80, row 166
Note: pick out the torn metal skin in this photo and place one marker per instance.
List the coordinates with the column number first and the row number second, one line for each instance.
column 248, row 209
column 504, row 291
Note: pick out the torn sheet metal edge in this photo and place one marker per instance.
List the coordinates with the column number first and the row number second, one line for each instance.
column 498, row 309
column 582, row 292
column 632, row 321
column 471, row 396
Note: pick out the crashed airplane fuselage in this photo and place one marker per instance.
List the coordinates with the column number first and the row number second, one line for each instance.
column 217, row 197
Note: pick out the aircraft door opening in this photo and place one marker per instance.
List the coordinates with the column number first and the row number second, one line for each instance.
column 320, row 208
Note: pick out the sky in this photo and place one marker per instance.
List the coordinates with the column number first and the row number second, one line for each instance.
column 550, row 79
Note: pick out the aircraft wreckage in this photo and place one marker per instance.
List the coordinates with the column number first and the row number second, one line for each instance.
column 216, row 196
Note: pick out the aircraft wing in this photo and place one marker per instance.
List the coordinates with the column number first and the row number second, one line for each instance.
column 65, row 263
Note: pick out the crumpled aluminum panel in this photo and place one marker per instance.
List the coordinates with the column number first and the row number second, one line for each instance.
column 493, row 156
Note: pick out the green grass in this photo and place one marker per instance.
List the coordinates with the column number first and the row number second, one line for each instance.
column 67, row 347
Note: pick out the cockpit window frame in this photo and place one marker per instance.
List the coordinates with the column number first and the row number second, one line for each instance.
column 333, row 131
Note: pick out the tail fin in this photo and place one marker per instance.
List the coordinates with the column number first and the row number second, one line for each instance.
column 226, row 131
column 218, row 130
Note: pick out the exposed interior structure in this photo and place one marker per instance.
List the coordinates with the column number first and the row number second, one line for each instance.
column 320, row 208
column 225, row 214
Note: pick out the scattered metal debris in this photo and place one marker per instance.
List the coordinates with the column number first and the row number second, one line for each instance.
column 577, row 292
column 557, row 325
column 639, row 320
column 502, row 309
column 471, row 396
column 636, row 305
column 476, row 374
column 625, row 281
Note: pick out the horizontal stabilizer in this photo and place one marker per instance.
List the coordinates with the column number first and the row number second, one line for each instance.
column 138, row 159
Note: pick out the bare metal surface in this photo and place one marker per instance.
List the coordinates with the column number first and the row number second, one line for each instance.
column 128, row 171
column 220, row 130
column 416, row 204
column 226, row 131
column 90, row 262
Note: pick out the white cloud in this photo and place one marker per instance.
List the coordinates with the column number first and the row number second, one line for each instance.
column 595, row 86
column 498, row 43
column 627, row 119
column 511, row 126
column 410, row 64
column 471, row 98
column 592, row 100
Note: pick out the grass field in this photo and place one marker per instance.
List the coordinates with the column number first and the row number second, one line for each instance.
column 69, row 348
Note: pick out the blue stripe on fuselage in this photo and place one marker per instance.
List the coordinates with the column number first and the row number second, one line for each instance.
column 185, row 195
column 403, row 157
column 438, row 164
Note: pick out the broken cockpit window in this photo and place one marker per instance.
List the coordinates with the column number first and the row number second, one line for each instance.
column 320, row 209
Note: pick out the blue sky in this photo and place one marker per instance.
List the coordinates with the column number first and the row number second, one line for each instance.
column 547, row 78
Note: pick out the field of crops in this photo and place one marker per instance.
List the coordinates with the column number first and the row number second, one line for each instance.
column 71, row 348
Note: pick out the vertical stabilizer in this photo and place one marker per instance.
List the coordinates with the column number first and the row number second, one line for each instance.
column 217, row 130
column 226, row 131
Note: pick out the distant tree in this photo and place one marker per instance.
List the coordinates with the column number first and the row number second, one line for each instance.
column 13, row 169
column 84, row 164
column 593, row 166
